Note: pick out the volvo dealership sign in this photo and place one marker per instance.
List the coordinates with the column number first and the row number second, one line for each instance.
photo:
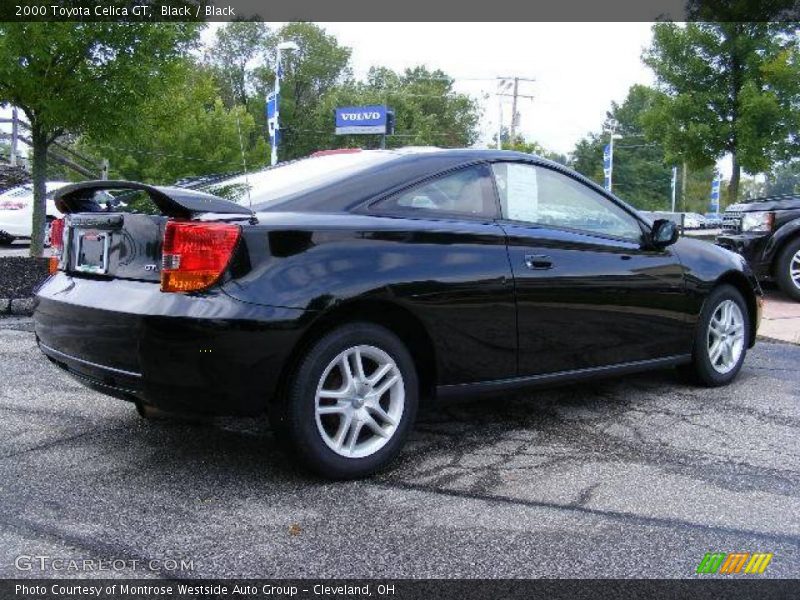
column 362, row 119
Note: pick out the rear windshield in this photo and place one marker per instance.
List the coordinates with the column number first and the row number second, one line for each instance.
column 265, row 188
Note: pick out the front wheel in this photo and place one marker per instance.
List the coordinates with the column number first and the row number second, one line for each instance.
column 350, row 404
column 721, row 338
column 788, row 270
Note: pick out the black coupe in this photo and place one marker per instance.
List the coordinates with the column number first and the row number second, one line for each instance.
column 336, row 292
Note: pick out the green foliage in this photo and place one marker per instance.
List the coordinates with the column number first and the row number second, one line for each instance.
column 428, row 112
column 784, row 179
column 192, row 128
column 698, row 190
column 520, row 144
column 236, row 47
column 310, row 74
column 729, row 87
column 83, row 78
column 641, row 176
column 187, row 131
column 86, row 77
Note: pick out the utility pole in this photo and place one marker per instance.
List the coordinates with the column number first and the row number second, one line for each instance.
column 14, row 135
column 608, row 154
column 505, row 83
column 502, row 85
column 275, row 138
column 499, row 122
column 513, row 127
column 674, row 185
column 683, row 185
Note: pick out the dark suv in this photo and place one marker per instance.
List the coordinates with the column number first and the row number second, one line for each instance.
column 766, row 231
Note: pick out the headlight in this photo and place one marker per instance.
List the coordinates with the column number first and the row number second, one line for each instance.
column 758, row 221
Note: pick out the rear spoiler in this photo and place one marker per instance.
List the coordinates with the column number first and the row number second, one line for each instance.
column 180, row 203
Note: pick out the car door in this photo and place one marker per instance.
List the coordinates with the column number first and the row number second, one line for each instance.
column 452, row 272
column 589, row 291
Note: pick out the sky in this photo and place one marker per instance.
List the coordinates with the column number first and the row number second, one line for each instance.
column 578, row 68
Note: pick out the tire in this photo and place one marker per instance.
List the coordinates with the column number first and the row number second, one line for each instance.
column 709, row 368
column 6, row 240
column 336, row 437
column 789, row 259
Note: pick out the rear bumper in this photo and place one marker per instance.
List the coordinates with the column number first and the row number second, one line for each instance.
column 204, row 353
column 752, row 247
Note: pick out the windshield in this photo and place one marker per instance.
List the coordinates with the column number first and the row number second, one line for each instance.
column 270, row 185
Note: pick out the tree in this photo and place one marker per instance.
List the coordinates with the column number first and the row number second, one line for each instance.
column 318, row 66
column 428, row 111
column 784, row 179
column 317, row 79
column 187, row 131
column 729, row 87
column 82, row 78
column 640, row 174
column 697, row 196
column 520, row 144
column 238, row 44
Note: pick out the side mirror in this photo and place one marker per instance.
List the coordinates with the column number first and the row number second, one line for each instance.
column 664, row 233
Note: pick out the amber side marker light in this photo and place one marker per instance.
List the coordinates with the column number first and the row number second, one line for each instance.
column 196, row 254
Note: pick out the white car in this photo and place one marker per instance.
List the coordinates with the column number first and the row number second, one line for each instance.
column 694, row 221
column 16, row 211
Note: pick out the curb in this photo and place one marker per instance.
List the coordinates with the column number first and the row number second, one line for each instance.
column 773, row 340
column 21, row 307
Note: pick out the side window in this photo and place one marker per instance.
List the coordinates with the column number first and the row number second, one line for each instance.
column 466, row 192
column 545, row 197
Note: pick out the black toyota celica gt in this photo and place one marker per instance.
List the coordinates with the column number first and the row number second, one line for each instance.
column 336, row 292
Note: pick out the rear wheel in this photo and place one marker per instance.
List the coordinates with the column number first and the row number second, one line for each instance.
column 6, row 240
column 350, row 404
column 788, row 269
column 721, row 339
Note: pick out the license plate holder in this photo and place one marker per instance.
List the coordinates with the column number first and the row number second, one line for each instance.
column 91, row 251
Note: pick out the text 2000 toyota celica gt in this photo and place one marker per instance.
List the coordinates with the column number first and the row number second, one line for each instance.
column 341, row 290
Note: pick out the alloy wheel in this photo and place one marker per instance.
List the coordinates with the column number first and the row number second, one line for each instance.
column 794, row 269
column 725, row 336
column 359, row 401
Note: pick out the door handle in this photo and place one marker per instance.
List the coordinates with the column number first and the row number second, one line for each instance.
column 538, row 261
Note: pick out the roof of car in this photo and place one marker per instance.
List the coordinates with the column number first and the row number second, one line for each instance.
column 399, row 168
column 773, row 197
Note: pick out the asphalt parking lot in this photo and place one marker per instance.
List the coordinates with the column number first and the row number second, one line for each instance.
column 636, row 477
column 17, row 248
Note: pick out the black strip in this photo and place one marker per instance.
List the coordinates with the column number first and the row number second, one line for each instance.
column 498, row 385
column 732, row 588
column 407, row 10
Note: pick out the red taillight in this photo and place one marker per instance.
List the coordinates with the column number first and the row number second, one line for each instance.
column 57, row 235
column 196, row 254
column 56, row 244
